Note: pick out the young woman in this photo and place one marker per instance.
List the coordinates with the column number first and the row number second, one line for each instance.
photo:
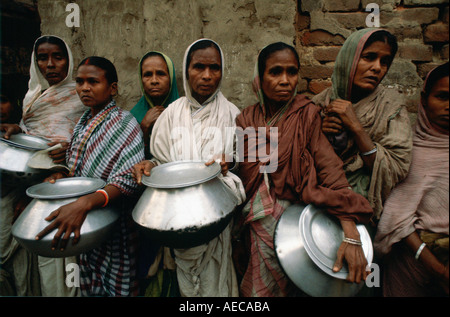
column 106, row 143
column 307, row 171
column 366, row 123
column 413, row 230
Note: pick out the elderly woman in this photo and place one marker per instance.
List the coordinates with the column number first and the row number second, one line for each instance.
column 106, row 143
column 413, row 229
column 179, row 134
column 366, row 123
column 156, row 272
column 159, row 88
column 307, row 171
column 51, row 108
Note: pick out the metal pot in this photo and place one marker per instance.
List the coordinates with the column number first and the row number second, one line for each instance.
column 185, row 204
column 96, row 228
column 306, row 243
column 14, row 155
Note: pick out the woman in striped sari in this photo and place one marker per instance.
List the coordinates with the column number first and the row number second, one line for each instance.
column 106, row 143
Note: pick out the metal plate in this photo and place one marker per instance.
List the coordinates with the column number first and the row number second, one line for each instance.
column 181, row 174
column 25, row 141
column 65, row 188
column 323, row 234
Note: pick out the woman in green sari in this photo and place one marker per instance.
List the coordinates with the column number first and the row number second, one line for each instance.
column 367, row 123
column 159, row 88
column 156, row 267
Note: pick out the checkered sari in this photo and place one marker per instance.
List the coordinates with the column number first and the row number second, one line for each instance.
column 107, row 147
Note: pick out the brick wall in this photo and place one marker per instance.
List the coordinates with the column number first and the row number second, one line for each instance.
column 421, row 28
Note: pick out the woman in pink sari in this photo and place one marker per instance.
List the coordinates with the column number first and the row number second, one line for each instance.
column 413, row 229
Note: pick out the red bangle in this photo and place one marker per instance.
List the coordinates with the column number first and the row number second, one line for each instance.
column 105, row 194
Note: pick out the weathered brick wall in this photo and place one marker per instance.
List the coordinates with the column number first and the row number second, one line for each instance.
column 421, row 27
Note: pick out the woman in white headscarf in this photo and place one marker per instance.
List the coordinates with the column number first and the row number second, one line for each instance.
column 51, row 108
column 200, row 126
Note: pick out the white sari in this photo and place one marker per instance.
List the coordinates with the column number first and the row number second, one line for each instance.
column 187, row 130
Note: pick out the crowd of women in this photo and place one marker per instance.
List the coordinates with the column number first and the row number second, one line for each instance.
column 350, row 150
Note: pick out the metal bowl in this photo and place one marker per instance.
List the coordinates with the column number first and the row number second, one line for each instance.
column 306, row 242
column 96, row 228
column 185, row 204
column 14, row 156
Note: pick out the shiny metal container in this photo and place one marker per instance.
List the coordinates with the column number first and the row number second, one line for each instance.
column 306, row 243
column 14, row 156
column 97, row 227
column 185, row 204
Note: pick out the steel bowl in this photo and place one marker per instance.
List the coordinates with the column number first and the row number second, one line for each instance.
column 185, row 204
column 14, row 155
column 306, row 242
column 97, row 227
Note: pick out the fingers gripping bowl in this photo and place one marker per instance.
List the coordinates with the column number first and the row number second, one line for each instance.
column 306, row 242
column 47, row 197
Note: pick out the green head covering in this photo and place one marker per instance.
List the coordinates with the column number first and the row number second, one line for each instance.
column 346, row 63
column 145, row 103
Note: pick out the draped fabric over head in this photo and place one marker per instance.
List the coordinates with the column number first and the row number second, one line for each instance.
column 185, row 131
column 384, row 117
column 146, row 103
column 421, row 201
column 51, row 112
column 300, row 167
column 418, row 204
column 308, row 170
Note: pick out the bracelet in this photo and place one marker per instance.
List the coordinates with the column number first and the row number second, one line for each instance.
column 105, row 194
column 419, row 250
column 369, row 152
column 352, row 241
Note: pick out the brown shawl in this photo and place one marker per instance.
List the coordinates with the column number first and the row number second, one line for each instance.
column 308, row 169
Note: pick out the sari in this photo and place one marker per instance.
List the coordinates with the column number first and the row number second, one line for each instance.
column 384, row 117
column 108, row 147
column 155, row 267
column 419, row 203
column 188, row 130
column 49, row 112
column 308, row 171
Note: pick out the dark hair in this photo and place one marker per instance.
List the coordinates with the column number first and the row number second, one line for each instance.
column 436, row 74
column 200, row 45
column 151, row 54
column 103, row 63
column 385, row 37
column 51, row 40
column 271, row 49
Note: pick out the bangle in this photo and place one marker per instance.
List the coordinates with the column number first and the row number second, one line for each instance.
column 105, row 194
column 352, row 241
column 369, row 152
column 419, row 251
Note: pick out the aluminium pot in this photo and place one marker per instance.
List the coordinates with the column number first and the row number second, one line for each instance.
column 97, row 227
column 14, row 155
column 306, row 242
column 185, row 204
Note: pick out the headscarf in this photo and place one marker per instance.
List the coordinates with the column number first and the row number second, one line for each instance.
column 421, row 201
column 384, row 117
column 300, row 175
column 146, row 103
column 215, row 114
column 51, row 112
